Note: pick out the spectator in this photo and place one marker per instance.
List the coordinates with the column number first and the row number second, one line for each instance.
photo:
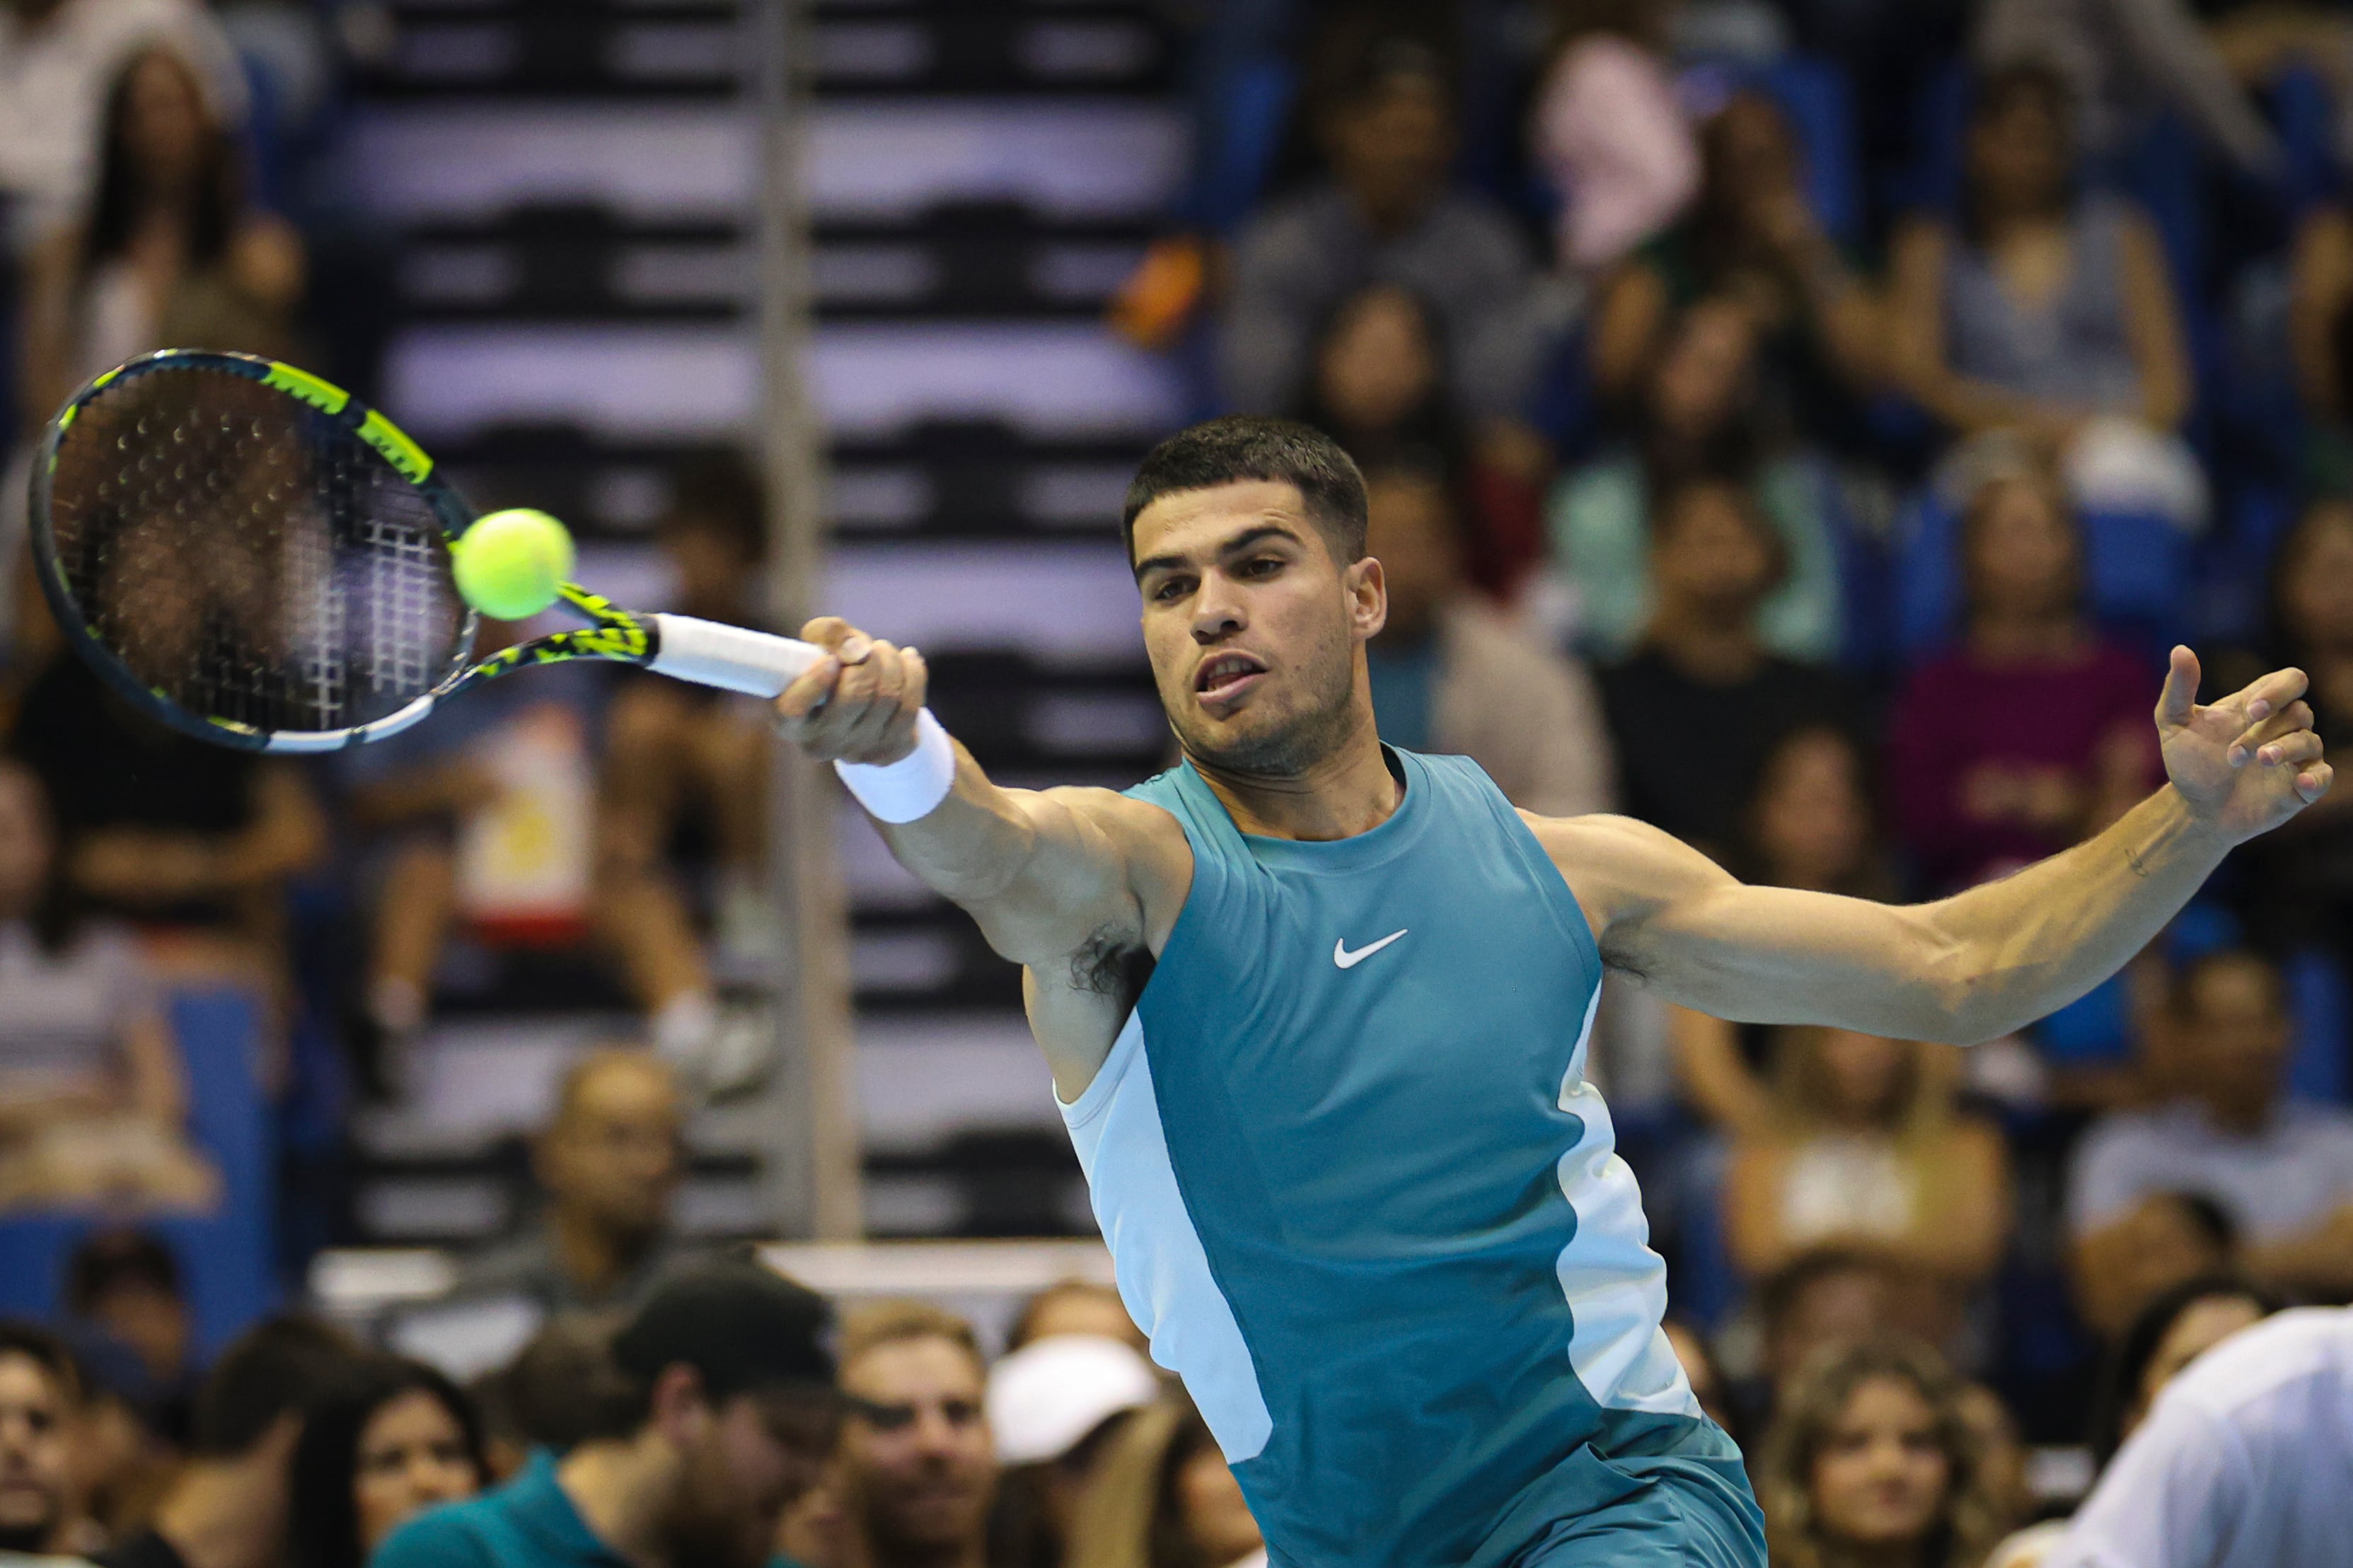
column 126, row 1285
column 1164, row 1497
column 2306, row 879
column 1869, row 1152
column 689, row 763
column 126, row 1441
column 2127, row 60
column 394, row 1439
column 1697, row 415
column 2034, row 732
column 227, row 1507
column 1055, row 1406
column 557, row 1390
column 162, row 827
column 2321, row 341
column 93, row 1102
column 1702, row 669
column 1829, row 1296
column 170, row 253
column 1609, row 134
column 1871, row 1460
column 2047, row 315
column 1751, row 238
column 2168, row 1333
column 1075, row 1307
column 1451, row 674
column 2281, row 1170
column 917, row 1472
column 1812, row 825
column 1378, row 387
column 1386, row 213
column 39, row 1400
column 610, row 1163
column 732, row 1409
column 57, row 57
column 2247, row 1459
column 2162, row 1241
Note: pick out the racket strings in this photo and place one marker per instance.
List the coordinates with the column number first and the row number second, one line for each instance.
column 246, row 557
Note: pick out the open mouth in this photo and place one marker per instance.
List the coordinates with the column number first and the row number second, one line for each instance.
column 1227, row 676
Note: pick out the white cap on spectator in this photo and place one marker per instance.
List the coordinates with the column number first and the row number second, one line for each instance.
column 1053, row 1392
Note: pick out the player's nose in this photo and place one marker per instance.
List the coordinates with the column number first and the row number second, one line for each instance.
column 1218, row 610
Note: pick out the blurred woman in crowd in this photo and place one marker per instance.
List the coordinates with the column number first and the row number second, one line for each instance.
column 2047, row 314
column 1751, row 236
column 2034, row 732
column 93, row 1102
column 1872, row 1461
column 1697, row 413
column 2166, row 1336
column 2305, row 873
column 1378, row 386
column 1163, row 1498
column 1811, row 823
column 169, row 254
column 397, row 1438
column 1868, row 1150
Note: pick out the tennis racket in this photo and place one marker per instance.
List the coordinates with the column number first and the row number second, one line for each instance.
column 260, row 560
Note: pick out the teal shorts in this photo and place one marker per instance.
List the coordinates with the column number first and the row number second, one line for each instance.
column 1655, row 1511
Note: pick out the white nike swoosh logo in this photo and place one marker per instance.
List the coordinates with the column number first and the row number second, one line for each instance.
column 1346, row 960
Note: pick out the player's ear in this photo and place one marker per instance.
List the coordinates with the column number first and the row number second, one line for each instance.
column 1369, row 597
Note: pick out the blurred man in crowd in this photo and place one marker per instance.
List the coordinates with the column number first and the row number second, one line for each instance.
column 2280, row 1170
column 1075, row 1307
column 610, row 1163
column 916, row 1472
column 37, row 1415
column 227, row 1508
column 1451, row 674
column 1386, row 213
column 126, row 1285
column 726, row 1409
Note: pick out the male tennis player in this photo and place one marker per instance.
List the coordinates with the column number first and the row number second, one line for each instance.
column 1316, row 1011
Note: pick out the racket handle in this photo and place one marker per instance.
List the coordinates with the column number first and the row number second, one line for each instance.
column 709, row 653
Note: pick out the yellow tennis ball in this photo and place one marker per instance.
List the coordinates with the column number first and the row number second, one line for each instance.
column 510, row 563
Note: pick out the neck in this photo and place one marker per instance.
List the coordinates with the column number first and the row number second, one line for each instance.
column 1388, row 211
column 226, row 1514
column 594, row 1257
column 865, row 1551
column 2245, row 1120
column 619, row 1487
column 1893, row 1554
column 1719, row 650
column 2027, row 635
column 1348, row 791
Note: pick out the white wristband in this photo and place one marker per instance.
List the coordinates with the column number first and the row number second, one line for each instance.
column 911, row 787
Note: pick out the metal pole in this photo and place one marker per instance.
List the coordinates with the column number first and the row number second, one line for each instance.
column 812, row 1163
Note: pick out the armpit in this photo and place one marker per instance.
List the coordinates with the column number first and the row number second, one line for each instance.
column 1112, row 963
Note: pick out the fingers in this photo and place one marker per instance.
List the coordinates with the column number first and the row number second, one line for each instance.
column 2180, row 698
column 2292, row 750
column 2268, row 695
column 2296, row 716
column 2313, row 783
column 859, row 703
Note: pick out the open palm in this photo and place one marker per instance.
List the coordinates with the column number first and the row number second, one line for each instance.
column 2248, row 763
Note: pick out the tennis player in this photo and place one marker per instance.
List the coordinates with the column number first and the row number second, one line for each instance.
column 1316, row 1011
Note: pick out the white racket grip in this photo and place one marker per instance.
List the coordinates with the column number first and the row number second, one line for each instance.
column 732, row 657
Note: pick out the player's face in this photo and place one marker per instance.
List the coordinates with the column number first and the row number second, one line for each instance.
column 1253, row 627
column 1881, row 1474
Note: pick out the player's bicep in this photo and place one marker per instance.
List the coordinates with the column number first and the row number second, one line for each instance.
column 1673, row 921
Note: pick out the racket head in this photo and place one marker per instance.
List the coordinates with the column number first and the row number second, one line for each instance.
column 249, row 554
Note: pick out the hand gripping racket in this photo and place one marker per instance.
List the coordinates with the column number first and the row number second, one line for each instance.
column 260, row 560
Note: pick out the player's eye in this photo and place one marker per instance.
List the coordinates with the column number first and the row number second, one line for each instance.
column 1170, row 590
column 1262, row 567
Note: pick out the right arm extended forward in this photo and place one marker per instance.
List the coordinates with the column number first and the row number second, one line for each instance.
column 1061, row 881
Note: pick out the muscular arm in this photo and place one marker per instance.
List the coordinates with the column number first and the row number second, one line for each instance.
column 1061, row 881
column 1981, row 962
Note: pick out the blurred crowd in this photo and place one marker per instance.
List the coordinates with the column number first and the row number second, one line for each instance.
column 1802, row 425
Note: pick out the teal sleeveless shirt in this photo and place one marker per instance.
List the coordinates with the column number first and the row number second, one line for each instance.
column 1363, row 1200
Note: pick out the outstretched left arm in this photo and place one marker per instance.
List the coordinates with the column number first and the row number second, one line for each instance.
column 1980, row 963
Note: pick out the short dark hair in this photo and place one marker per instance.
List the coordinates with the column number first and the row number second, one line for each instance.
column 325, row 1528
column 1243, row 446
column 2128, row 1366
column 108, row 1259
column 45, row 1350
column 275, row 1368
